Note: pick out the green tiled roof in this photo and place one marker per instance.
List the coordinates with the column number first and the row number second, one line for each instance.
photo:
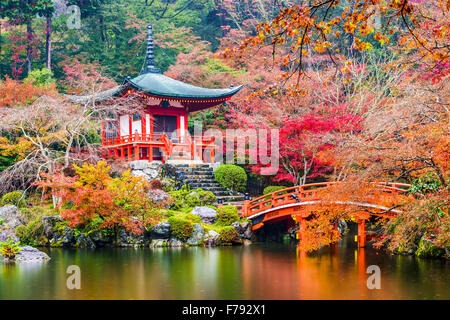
column 159, row 85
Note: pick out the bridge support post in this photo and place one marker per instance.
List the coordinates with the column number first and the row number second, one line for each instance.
column 301, row 226
column 246, row 205
column 361, row 233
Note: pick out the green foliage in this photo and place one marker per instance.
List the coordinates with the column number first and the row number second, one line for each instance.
column 168, row 185
column 9, row 249
column 32, row 231
column 271, row 189
column 41, row 78
column 228, row 236
column 200, row 197
column 231, row 176
column 1, row 221
column 15, row 198
column 185, row 198
column 429, row 183
column 226, row 215
column 181, row 228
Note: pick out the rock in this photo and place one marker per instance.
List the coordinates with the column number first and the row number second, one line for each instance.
column 85, row 241
column 428, row 250
column 197, row 235
column 30, row 254
column 174, row 242
column 158, row 243
column 8, row 234
column 49, row 223
column 101, row 239
column 244, row 229
column 207, row 214
column 129, row 239
column 139, row 173
column 151, row 173
column 68, row 237
column 210, row 238
column 158, row 195
column 11, row 216
column 160, row 231
column 138, row 164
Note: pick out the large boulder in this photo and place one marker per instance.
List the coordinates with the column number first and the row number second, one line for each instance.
column 158, row 195
column 8, row 234
column 161, row 231
column 197, row 235
column 175, row 242
column 84, row 241
column 138, row 164
column 30, row 254
column 68, row 237
column 101, row 239
column 158, row 243
column 11, row 216
column 207, row 214
column 49, row 223
column 244, row 229
column 427, row 249
column 129, row 239
column 210, row 238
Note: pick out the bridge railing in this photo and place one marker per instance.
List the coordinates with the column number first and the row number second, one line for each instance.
column 307, row 192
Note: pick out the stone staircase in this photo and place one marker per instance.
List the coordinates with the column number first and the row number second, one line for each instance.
column 202, row 176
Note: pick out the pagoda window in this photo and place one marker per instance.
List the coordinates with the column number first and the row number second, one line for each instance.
column 136, row 116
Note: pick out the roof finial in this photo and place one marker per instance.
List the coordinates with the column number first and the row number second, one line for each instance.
column 150, row 57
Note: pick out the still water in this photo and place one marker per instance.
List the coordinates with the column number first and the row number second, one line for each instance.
column 259, row 271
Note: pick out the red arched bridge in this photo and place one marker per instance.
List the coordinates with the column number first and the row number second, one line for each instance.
column 293, row 202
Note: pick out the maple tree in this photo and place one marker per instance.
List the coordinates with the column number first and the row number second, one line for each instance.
column 92, row 198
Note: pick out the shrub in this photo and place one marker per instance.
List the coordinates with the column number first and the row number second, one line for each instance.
column 271, row 189
column 156, row 184
column 231, row 176
column 187, row 198
column 9, row 249
column 15, row 197
column 181, row 228
column 199, row 197
column 226, row 215
column 168, row 184
column 228, row 236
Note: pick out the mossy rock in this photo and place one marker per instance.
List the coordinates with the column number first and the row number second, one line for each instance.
column 428, row 250
column 226, row 215
column 228, row 236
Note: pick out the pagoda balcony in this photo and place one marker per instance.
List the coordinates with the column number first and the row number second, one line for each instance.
column 159, row 147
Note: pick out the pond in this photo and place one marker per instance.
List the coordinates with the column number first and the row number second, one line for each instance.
column 258, row 271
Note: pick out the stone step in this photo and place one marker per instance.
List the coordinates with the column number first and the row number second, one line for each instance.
column 230, row 198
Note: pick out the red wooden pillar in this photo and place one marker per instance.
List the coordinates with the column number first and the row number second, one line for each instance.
column 129, row 153
column 136, row 152
column 150, row 154
column 213, row 155
column 116, row 153
column 361, row 233
column 301, row 227
column 103, row 133
column 143, row 126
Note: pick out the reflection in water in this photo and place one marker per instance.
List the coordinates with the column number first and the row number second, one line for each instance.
column 260, row 271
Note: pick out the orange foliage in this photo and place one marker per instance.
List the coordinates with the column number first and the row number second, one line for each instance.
column 94, row 198
column 15, row 93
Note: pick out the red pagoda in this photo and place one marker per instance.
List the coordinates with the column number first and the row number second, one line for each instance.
column 160, row 131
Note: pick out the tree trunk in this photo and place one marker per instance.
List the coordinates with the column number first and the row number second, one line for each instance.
column 29, row 46
column 1, row 60
column 48, row 44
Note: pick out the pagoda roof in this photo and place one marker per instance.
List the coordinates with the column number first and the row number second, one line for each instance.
column 159, row 85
